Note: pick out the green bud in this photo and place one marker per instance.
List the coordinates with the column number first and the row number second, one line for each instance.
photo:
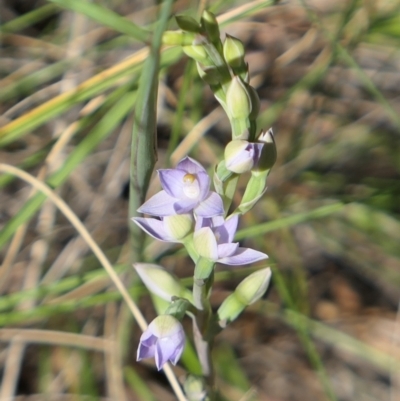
column 238, row 99
column 198, row 53
column 187, row 23
column 234, row 52
column 160, row 282
column 250, row 290
column 175, row 38
column 268, row 154
column 238, row 158
column 210, row 25
column 195, row 389
column 229, row 310
column 253, row 287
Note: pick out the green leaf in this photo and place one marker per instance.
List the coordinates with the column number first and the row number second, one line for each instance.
column 144, row 146
column 106, row 17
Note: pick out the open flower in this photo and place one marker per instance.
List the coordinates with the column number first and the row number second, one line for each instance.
column 186, row 188
column 169, row 228
column 213, row 240
column 164, row 340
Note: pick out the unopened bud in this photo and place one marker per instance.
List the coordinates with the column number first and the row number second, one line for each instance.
column 250, row 290
column 198, row 53
column 239, row 156
column 176, row 38
column 233, row 52
column 159, row 282
column 253, row 287
column 210, row 25
column 238, row 100
column 188, row 24
column 229, row 310
column 268, row 154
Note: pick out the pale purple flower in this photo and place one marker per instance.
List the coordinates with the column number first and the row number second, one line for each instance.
column 164, row 340
column 186, row 188
column 213, row 240
column 169, row 228
column 242, row 156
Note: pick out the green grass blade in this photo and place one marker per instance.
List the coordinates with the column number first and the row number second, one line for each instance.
column 260, row 229
column 28, row 19
column 105, row 17
column 144, row 146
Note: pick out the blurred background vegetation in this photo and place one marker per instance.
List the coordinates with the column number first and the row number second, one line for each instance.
column 328, row 75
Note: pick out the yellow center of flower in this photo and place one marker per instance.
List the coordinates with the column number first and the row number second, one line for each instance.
column 191, row 186
column 189, row 178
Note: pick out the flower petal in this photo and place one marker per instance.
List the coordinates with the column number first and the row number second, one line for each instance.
column 154, row 227
column 243, row 256
column 211, row 206
column 225, row 250
column 146, row 346
column 204, row 184
column 190, row 165
column 172, row 182
column 183, row 206
column 161, row 204
column 205, row 243
column 226, row 231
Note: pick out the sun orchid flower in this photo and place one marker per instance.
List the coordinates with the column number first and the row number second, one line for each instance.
column 213, row 240
column 186, row 188
column 169, row 228
column 164, row 340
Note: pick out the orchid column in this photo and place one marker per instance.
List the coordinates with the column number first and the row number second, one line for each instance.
column 187, row 211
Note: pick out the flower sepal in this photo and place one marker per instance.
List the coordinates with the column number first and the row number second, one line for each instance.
column 178, row 308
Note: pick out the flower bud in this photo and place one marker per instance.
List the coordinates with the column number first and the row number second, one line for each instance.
column 175, row 38
column 195, row 389
column 250, row 290
column 253, row 287
column 233, row 52
column 238, row 100
column 187, row 23
column 158, row 281
column 229, row 310
column 197, row 53
column 268, row 154
column 210, row 25
column 239, row 156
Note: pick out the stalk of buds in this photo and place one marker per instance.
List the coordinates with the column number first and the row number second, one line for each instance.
column 187, row 211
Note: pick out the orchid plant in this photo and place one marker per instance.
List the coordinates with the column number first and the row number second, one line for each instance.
column 187, row 211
